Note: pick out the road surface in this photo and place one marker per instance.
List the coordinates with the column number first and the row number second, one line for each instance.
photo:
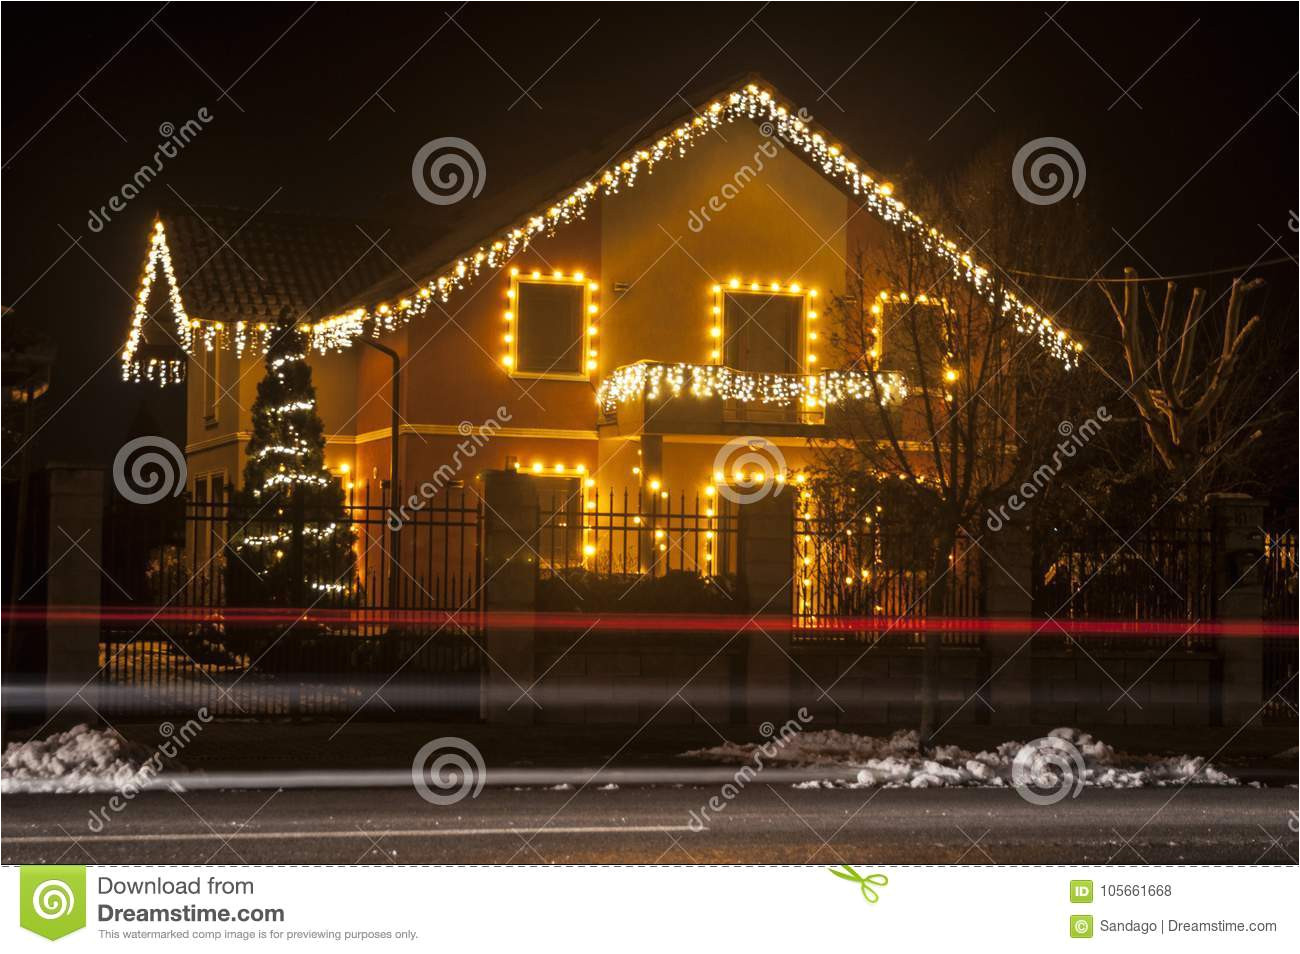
column 654, row 824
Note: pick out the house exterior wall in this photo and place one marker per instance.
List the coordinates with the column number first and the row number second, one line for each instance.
column 219, row 445
column 739, row 205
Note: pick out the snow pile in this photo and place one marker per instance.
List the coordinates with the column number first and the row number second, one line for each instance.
column 897, row 762
column 79, row 760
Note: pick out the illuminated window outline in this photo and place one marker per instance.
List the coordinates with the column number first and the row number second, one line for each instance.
column 589, row 360
column 807, row 358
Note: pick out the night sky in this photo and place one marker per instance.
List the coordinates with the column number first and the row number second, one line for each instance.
column 330, row 102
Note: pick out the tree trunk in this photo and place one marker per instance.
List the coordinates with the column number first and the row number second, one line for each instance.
column 937, row 605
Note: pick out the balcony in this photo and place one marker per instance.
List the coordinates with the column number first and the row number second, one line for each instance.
column 655, row 398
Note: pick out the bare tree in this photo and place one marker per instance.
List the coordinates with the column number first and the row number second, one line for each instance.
column 1181, row 397
column 980, row 378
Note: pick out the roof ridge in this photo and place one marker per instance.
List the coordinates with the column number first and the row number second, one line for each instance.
column 751, row 102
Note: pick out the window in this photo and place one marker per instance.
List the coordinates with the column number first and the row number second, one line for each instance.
column 548, row 328
column 762, row 331
column 210, row 388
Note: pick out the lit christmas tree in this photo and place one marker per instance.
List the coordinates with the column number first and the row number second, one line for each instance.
column 293, row 539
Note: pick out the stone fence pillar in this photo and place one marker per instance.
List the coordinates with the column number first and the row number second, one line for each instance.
column 1008, row 588
column 510, row 546
column 1238, row 549
column 73, row 579
column 766, row 530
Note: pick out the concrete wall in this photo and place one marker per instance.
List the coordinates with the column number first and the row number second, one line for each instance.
column 628, row 678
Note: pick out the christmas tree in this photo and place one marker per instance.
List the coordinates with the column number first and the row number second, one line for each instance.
column 293, row 539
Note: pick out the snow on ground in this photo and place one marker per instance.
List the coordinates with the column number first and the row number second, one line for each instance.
column 79, row 760
column 897, row 762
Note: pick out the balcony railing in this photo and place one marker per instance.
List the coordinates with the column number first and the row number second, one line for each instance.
column 747, row 395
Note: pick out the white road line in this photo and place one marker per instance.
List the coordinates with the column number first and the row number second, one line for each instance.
column 7, row 840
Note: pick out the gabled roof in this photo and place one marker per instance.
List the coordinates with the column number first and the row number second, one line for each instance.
column 388, row 300
column 230, row 270
column 459, row 259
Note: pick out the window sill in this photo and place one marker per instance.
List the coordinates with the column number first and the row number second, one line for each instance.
column 551, row 376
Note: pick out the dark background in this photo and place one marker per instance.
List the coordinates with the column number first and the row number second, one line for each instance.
column 1216, row 127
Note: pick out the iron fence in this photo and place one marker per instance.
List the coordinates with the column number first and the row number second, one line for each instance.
column 637, row 533
column 1280, row 652
column 1160, row 573
column 391, row 613
column 865, row 567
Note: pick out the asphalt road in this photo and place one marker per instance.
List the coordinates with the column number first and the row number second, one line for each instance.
column 653, row 824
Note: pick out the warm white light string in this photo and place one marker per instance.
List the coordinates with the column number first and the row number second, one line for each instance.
column 652, row 381
column 751, row 103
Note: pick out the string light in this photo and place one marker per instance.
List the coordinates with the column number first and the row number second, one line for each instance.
column 651, row 380
column 559, row 469
column 793, row 290
column 162, row 370
column 510, row 360
column 751, row 103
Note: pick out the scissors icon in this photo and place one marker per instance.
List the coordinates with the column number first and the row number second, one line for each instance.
column 863, row 882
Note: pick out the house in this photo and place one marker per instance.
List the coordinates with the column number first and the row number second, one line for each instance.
column 641, row 319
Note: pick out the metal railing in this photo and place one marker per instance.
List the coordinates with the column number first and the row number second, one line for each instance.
column 398, row 613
